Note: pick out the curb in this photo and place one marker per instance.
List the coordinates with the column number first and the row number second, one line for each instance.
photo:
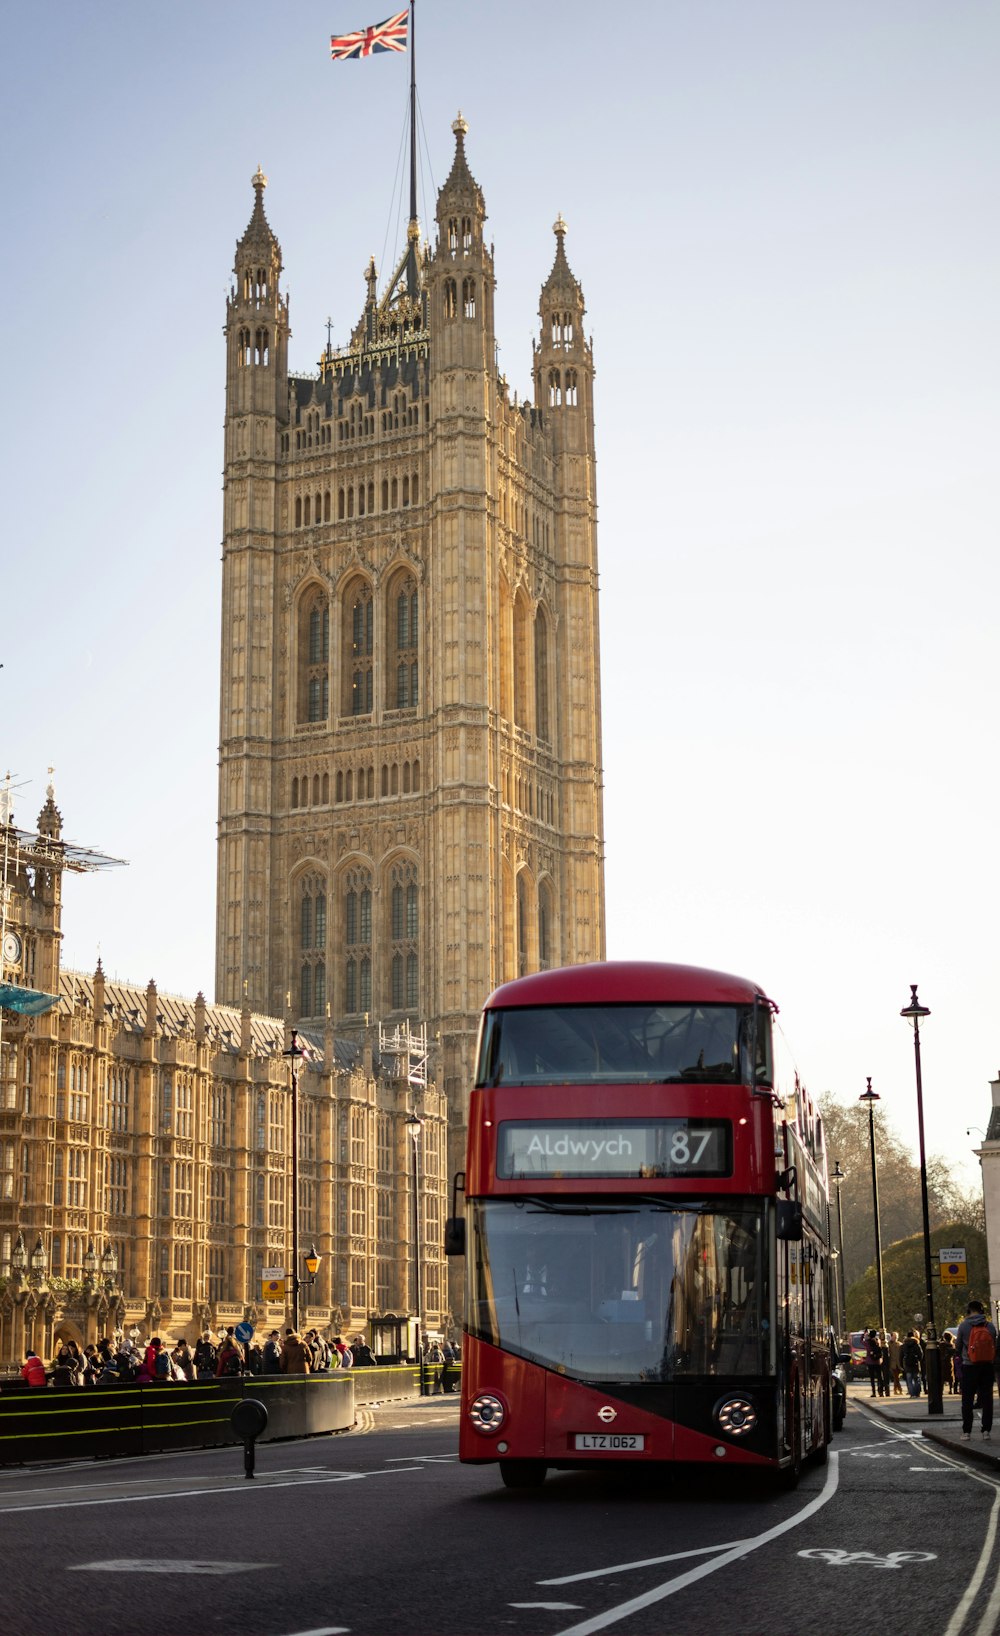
column 966, row 1451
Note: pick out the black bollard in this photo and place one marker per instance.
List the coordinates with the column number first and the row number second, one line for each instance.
column 248, row 1420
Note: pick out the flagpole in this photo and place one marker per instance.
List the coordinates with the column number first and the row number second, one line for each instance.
column 411, row 265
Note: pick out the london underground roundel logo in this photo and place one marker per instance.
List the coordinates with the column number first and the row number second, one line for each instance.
column 607, row 1413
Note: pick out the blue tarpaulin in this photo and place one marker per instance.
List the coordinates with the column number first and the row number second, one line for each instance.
column 30, row 1002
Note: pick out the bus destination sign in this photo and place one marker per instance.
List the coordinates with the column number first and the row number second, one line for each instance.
column 630, row 1148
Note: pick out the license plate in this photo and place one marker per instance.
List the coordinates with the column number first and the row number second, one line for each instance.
column 610, row 1442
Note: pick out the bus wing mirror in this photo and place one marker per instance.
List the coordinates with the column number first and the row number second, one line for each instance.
column 789, row 1222
column 454, row 1235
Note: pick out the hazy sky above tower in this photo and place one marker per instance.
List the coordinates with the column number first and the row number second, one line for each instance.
column 783, row 216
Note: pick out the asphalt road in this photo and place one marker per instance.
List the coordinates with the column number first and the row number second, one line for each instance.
column 381, row 1532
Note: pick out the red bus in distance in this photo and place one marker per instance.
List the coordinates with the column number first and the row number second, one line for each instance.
column 646, row 1229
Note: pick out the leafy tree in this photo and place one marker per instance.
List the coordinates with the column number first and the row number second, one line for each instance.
column 900, row 1213
column 903, row 1281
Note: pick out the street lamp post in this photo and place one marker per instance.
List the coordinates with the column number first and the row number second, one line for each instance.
column 871, row 1097
column 415, row 1125
column 932, row 1352
column 294, row 1052
column 838, row 1179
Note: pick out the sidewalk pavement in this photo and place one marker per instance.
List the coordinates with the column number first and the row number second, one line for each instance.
column 945, row 1429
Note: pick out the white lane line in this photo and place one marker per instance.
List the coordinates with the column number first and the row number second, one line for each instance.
column 196, row 1493
column 325, row 1630
column 958, row 1618
column 164, row 1565
column 638, row 1604
column 988, row 1623
column 550, row 1607
column 648, row 1562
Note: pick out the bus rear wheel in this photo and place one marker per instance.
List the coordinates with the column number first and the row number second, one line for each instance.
column 522, row 1473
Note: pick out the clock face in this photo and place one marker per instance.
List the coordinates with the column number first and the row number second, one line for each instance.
column 12, row 949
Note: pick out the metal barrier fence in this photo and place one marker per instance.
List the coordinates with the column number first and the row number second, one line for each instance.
column 73, row 1422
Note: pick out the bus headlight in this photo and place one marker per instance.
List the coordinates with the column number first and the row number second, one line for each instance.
column 736, row 1416
column 487, row 1413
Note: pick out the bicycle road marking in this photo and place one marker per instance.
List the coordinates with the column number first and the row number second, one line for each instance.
column 659, row 1593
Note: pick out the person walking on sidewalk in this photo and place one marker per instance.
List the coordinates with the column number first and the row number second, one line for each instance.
column 895, row 1367
column 873, row 1363
column 976, row 1345
column 910, row 1357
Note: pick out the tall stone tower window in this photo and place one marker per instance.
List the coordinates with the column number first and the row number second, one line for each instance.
column 312, row 944
column 468, row 298
column 522, row 926
column 357, row 939
column 359, row 679
column 542, row 676
column 545, row 926
column 314, row 659
column 450, row 298
column 403, row 928
column 571, row 398
column 403, row 672
column 521, row 642
column 555, row 389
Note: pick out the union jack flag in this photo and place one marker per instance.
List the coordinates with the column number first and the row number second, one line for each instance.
column 387, row 36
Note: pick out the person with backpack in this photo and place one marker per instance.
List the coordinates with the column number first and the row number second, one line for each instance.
column 205, row 1356
column 976, row 1345
column 230, row 1360
column 343, row 1352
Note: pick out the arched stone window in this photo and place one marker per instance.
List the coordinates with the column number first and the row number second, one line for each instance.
column 542, row 728
column 404, row 915
column 522, row 638
column 314, row 659
column 506, row 652
column 312, row 944
column 356, row 933
column 450, row 298
column 468, row 298
column 546, row 926
column 402, row 671
column 571, row 388
column 522, row 926
column 359, row 648
column 555, row 389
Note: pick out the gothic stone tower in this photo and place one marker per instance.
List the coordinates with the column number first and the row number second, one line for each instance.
column 410, row 799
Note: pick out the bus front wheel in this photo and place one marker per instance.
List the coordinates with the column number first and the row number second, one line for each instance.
column 522, row 1473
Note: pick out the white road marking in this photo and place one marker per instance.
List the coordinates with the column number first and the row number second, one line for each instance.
column 987, row 1623
column 551, row 1607
column 325, row 1630
column 638, row 1604
column 234, row 1487
column 839, row 1558
column 157, row 1565
column 428, row 1459
column 647, row 1562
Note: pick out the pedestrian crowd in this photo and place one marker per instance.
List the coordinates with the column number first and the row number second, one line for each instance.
column 130, row 1362
column 969, row 1365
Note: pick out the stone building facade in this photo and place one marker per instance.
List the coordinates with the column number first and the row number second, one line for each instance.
column 145, row 1143
column 410, row 798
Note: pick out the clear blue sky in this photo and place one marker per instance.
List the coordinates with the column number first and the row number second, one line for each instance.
column 784, row 218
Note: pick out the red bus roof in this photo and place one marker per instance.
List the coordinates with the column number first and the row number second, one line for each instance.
column 618, row 982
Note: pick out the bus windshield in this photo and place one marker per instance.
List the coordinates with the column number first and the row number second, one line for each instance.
column 622, row 1289
column 627, row 1044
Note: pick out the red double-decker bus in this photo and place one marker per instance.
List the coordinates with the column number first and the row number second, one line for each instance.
column 646, row 1229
